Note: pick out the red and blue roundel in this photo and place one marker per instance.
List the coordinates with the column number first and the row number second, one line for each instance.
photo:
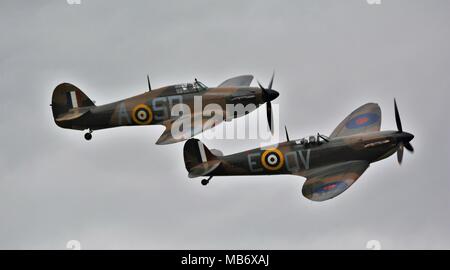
column 362, row 120
column 333, row 186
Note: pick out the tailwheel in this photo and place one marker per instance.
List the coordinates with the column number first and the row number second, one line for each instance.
column 88, row 136
column 206, row 181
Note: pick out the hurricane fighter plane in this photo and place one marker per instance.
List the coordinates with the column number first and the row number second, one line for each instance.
column 72, row 109
column 329, row 164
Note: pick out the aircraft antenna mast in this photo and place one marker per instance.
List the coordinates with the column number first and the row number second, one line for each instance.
column 148, row 82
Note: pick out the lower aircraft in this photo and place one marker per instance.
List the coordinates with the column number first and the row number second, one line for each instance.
column 330, row 164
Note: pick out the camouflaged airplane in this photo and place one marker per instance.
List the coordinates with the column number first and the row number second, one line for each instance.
column 72, row 109
column 330, row 164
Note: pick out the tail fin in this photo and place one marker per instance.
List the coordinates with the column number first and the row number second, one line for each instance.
column 67, row 96
column 198, row 159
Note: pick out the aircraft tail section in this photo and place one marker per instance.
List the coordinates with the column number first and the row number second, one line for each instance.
column 68, row 98
column 198, row 159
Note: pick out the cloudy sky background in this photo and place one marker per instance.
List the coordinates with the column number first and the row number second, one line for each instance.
column 120, row 190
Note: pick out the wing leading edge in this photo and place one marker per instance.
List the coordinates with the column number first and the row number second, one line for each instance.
column 174, row 134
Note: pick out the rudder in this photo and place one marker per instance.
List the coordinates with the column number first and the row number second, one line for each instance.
column 195, row 153
column 67, row 96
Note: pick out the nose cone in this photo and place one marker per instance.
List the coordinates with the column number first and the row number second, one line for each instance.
column 272, row 94
column 407, row 136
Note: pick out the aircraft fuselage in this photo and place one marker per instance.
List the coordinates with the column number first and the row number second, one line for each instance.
column 155, row 107
column 295, row 158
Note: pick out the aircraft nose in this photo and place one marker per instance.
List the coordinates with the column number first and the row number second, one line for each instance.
column 408, row 136
column 404, row 137
column 272, row 94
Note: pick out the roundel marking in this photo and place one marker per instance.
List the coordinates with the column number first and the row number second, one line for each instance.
column 142, row 114
column 362, row 120
column 329, row 187
column 272, row 159
column 334, row 186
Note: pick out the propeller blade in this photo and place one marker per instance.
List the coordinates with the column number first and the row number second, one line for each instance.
column 287, row 135
column 269, row 115
column 148, row 81
column 400, row 153
column 260, row 86
column 266, row 98
column 397, row 117
column 265, row 95
column 271, row 81
column 409, row 147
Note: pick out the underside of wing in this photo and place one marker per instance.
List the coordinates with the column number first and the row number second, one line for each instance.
column 366, row 118
column 185, row 127
column 328, row 182
column 239, row 81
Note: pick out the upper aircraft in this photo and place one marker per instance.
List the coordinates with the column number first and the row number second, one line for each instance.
column 72, row 109
column 330, row 164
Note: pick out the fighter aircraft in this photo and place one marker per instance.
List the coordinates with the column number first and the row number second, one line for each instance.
column 330, row 164
column 72, row 109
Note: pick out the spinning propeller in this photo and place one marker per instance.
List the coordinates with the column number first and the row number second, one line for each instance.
column 404, row 138
column 267, row 96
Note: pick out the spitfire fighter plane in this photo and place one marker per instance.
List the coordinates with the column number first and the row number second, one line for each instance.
column 72, row 109
column 330, row 164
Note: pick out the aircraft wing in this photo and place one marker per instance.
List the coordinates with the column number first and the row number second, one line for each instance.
column 169, row 137
column 72, row 114
column 329, row 181
column 366, row 118
column 239, row 81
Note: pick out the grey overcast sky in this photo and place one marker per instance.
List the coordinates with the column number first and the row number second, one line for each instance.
column 120, row 190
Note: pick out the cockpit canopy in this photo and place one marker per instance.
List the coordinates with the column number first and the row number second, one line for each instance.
column 184, row 88
column 313, row 140
column 187, row 88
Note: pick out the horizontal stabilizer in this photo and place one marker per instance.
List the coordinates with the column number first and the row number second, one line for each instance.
column 216, row 152
column 204, row 168
column 71, row 115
